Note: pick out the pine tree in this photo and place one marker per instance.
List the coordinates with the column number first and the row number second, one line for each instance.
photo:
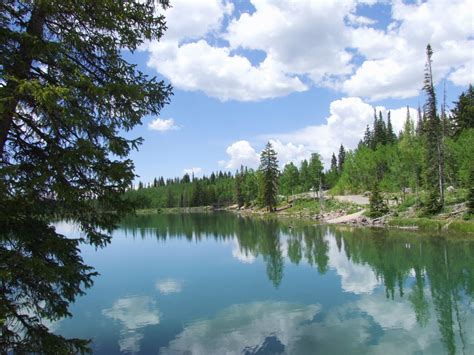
column 341, row 158
column 391, row 137
column 420, row 123
column 408, row 126
column 269, row 177
column 334, row 162
column 332, row 176
column 434, row 150
column 463, row 111
column 376, row 131
column 367, row 138
column 186, row 179
column 377, row 205
column 382, row 129
column 239, row 195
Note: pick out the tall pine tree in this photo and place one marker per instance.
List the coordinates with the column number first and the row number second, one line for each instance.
column 268, row 177
column 341, row 159
column 391, row 137
column 433, row 140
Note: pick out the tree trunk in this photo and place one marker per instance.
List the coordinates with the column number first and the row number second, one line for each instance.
column 441, row 170
column 20, row 70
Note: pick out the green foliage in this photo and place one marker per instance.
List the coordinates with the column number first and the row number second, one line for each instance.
column 66, row 94
column 378, row 207
column 239, row 195
column 463, row 112
column 217, row 190
column 470, row 196
column 315, row 168
column 290, row 180
column 433, row 204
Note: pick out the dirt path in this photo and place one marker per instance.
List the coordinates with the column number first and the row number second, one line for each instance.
column 346, row 218
column 358, row 199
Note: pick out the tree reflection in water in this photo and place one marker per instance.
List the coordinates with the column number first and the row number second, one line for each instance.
column 440, row 266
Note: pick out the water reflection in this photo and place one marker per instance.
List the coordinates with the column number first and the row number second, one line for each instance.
column 428, row 284
column 255, row 328
column 133, row 313
column 169, row 286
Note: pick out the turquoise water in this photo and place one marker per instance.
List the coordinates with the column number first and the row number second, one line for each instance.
column 223, row 284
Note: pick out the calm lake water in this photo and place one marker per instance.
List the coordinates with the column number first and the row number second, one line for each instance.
column 223, row 284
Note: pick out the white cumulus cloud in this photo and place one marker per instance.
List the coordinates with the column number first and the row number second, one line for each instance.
column 219, row 73
column 312, row 43
column 162, row 125
column 242, row 153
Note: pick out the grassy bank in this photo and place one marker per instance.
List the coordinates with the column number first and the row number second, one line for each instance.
column 404, row 215
column 432, row 224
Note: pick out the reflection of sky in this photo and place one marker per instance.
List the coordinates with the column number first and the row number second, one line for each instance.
column 226, row 302
column 243, row 326
column 355, row 278
column 245, row 257
column 133, row 313
column 368, row 326
column 168, row 286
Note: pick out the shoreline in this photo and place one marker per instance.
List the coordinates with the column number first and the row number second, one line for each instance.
column 339, row 218
column 388, row 221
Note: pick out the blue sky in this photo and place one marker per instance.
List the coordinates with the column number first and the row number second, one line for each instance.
column 304, row 74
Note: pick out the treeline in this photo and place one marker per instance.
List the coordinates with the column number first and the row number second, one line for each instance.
column 246, row 187
column 188, row 191
column 432, row 151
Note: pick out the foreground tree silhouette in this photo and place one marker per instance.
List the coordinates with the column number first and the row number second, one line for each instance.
column 66, row 93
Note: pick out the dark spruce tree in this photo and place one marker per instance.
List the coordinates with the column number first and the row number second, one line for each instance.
column 463, row 111
column 341, row 159
column 367, row 138
column 377, row 205
column 333, row 162
column 391, row 136
column 66, row 94
column 269, row 175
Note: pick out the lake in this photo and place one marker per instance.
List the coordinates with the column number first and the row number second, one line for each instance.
column 225, row 284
